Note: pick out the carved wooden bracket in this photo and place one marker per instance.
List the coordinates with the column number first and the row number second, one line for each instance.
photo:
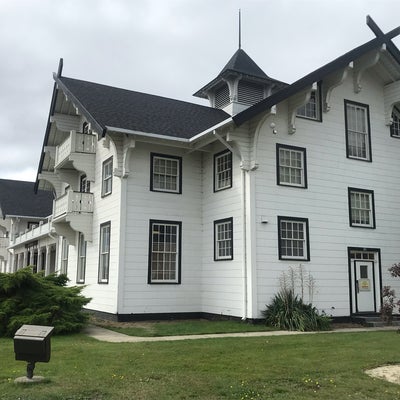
column 295, row 102
column 332, row 82
column 129, row 146
column 363, row 63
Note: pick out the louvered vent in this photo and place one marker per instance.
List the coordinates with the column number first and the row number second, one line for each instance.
column 222, row 97
column 249, row 93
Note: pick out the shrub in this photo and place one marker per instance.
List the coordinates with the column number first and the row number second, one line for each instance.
column 33, row 299
column 288, row 311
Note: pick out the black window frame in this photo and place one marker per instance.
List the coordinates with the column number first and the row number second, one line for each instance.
column 395, row 126
column 303, row 150
column 103, row 193
column 216, row 223
column 318, row 92
column 79, row 259
column 307, row 238
column 366, row 106
column 215, row 180
column 100, row 267
column 371, row 193
column 177, row 281
column 179, row 176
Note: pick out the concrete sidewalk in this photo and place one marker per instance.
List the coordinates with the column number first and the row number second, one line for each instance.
column 107, row 335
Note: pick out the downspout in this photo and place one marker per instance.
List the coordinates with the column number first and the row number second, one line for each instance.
column 244, row 264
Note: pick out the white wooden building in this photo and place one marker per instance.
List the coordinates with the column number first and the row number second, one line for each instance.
column 170, row 208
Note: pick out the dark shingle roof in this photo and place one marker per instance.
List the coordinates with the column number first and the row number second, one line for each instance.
column 243, row 64
column 19, row 199
column 120, row 108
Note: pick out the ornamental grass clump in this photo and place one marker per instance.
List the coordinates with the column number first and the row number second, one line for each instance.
column 35, row 299
column 287, row 311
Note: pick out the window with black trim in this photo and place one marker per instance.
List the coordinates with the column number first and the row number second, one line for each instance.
column 358, row 137
column 291, row 166
column 223, row 239
column 165, row 252
column 361, row 208
column 395, row 126
column 222, row 170
column 104, row 252
column 166, row 173
column 312, row 109
column 107, row 177
column 293, row 238
column 81, row 267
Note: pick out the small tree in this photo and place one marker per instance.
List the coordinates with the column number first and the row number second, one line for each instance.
column 35, row 299
column 388, row 297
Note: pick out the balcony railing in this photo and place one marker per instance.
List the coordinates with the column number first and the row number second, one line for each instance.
column 75, row 143
column 44, row 228
column 73, row 202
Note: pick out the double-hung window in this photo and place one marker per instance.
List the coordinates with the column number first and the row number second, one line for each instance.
column 291, row 166
column 165, row 252
column 104, row 252
column 80, row 273
column 358, row 138
column 361, row 208
column 293, row 238
column 106, row 187
column 312, row 109
column 222, row 170
column 395, row 127
column 223, row 239
column 64, row 255
column 166, row 173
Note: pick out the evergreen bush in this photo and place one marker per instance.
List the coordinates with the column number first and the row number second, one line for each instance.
column 35, row 299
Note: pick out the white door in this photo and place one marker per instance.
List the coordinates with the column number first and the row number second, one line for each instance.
column 364, row 286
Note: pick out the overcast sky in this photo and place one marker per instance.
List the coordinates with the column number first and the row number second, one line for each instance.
column 166, row 47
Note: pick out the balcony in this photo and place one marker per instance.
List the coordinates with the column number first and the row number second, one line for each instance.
column 73, row 212
column 77, row 152
column 43, row 229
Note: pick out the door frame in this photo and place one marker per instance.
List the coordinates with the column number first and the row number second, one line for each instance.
column 377, row 277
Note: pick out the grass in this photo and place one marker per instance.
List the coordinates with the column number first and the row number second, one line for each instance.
column 311, row 366
column 177, row 328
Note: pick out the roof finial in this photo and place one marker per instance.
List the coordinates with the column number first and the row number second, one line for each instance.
column 240, row 30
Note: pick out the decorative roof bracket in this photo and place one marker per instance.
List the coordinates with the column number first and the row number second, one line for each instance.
column 129, row 146
column 332, row 82
column 362, row 64
column 295, row 102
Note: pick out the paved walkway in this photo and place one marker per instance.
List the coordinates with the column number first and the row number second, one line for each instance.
column 107, row 335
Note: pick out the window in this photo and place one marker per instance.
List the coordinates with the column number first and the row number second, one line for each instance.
column 291, row 166
column 223, row 239
column 395, row 127
column 104, row 258
column 84, row 185
column 106, row 188
column 358, row 139
column 312, row 109
column 164, row 252
column 165, row 174
column 64, row 256
column 293, row 238
column 222, row 170
column 361, row 208
column 80, row 273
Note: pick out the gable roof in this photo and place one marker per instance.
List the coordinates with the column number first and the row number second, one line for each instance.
column 113, row 107
column 318, row 74
column 17, row 198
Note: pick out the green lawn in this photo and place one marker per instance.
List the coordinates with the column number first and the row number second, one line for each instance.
column 312, row 366
column 188, row 327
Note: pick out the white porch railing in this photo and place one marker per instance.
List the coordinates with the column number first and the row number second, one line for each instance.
column 75, row 143
column 73, row 202
column 44, row 228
